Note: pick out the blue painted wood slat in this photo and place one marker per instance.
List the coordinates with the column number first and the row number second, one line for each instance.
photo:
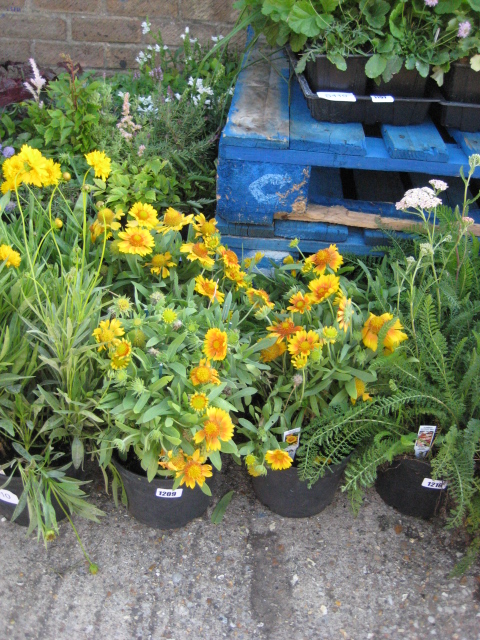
column 416, row 142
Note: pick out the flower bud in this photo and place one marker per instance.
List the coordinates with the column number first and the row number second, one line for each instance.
column 66, row 176
column 58, row 223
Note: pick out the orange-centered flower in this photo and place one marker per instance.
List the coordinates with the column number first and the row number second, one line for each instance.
column 136, row 240
column 273, row 352
column 278, row 459
column 228, row 256
column 325, row 258
column 259, row 298
column 204, row 374
column 283, row 329
column 372, row 328
column 144, row 214
column 303, row 343
column 208, row 288
column 300, row 302
column 173, row 220
column 215, row 344
column 204, row 227
column 323, row 287
column 194, row 471
column 217, row 426
column 160, row 263
column 235, row 274
column 198, row 251
column 120, row 358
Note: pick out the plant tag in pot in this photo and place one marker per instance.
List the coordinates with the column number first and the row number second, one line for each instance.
column 424, row 440
column 382, row 98
column 8, row 496
column 292, row 438
column 336, row 96
column 169, row 493
column 434, row 484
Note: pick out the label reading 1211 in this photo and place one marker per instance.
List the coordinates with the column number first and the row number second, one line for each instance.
column 168, row 493
column 434, row 484
column 336, row 96
column 8, row 496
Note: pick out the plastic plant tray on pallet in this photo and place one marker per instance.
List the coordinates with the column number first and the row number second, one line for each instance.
column 459, row 115
column 344, row 107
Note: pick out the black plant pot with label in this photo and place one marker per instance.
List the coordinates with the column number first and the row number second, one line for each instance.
column 157, row 505
column 400, row 486
column 462, row 84
column 322, row 75
column 284, row 493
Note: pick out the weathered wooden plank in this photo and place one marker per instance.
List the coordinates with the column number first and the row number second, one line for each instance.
column 378, row 186
column 341, row 215
column 416, row 142
column 453, row 196
column 468, row 142
column 259, row 114
column 311, row 230
column 251, row 192
column 325, row 182
column 307, row 134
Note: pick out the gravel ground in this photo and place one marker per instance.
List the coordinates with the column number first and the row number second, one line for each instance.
column 256, row 575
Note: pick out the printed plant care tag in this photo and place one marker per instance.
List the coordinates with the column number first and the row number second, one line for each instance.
column 424, row 440
column 292, row 438
column 168, row 493
column 434, row 484
column 382, row 98
column 8, row 496
column 336, row 96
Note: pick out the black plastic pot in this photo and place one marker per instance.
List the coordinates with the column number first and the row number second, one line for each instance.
column 400, row 486
column 407, row 83
column 153, row 503
column 15, row 489
column 322, row 75
column 284, row 493
column 462, row 84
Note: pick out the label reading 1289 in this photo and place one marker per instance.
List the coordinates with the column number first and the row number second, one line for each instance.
column 8, row 496
column 168, row 493
column 434, row 484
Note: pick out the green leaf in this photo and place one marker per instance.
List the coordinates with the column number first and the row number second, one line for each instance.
column 474, row 63
column 375, row 66
column 229, row 447
column 303, row 19
column 375, row 13
column 215, row 459
column 422, row 67
column 219, row 511
column 206, row 489
column 338, row 60
column 329, row 6
column 77, row 452
column 449, row 6
column 154, row 412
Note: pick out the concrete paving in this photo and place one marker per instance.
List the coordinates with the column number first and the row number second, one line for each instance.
column 255, row 575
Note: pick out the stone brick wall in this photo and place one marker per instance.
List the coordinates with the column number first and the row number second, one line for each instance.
column 102, row 34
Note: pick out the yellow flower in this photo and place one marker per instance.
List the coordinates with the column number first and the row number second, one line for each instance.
column 9, row 255
column 303, row 343
column 323, row 287
column 360, row 386
column 204, row 374
column 235, row 274
column 137, row 241
column 215, row 344
column 194, row 471
column 283, row 329
column 259, row 298
column 174, row 462
column 329, row 334
column 160, row 263
column 106, row 219
column 122, row 305
column 198, row 251
column 57, row 223
column 144, row 214
column 344, row 312
column 273, row 352
column 208, row 288
column 35, row 166
column 100, row 162
column 108, row 333
column 229, row 257
column 250, row 460
column 173, row 221
column 372, row 328
column 256, row 470
column 120, row 358
column 204, row 227
column 290, row 260
column 169, row 316
column 300, row 361
column 325, row 258
column 54, row 173
column 211, row 242
column 13, row 170
column 278, row 459
column 300, row 302
column 199, row 402
column 217, row 427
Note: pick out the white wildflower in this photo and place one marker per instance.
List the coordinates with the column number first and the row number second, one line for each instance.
column 423, row 198
column 474, row 161
column 426, row 249
column 145, row 27
column 439, row 185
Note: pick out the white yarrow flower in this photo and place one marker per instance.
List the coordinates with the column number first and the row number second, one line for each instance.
column 423, row 198
column 439, row 185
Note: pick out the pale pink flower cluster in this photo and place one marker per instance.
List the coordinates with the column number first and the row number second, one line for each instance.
column 431, row 3
column 464, row 29
column 35, row 84
column 468, row 221
column 141, row 150
column 127, row 126
column 423, row 198
column 439, row 185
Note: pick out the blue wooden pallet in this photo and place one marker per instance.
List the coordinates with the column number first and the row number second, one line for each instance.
column 279, row 169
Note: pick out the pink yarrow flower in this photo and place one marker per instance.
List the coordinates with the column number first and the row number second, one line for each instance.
column 423, row 198
column 464, row 29
column 431, row 3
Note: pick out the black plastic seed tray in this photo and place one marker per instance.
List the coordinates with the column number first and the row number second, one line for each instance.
column 457, row 115
column 400, row 111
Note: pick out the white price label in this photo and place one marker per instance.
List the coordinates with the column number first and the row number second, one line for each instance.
column 168, row 493
column 382, row 98
column 336, row 96
column 8, row 496
column 434, row 484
